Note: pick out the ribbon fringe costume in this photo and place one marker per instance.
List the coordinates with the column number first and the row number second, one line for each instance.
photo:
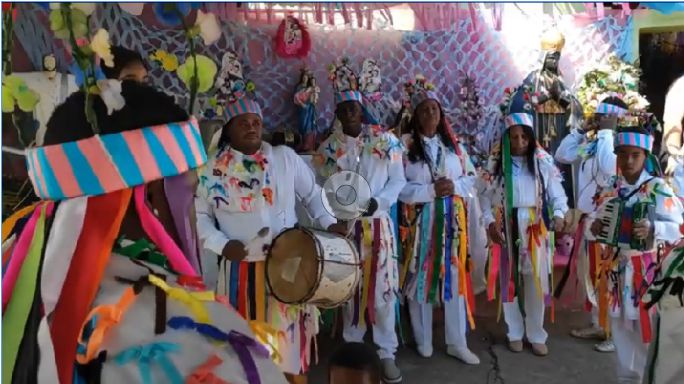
column 245, row 194
column 435, row 238
column 597, row 165
column 626, row 272
column 523, row 266
column 81, row 305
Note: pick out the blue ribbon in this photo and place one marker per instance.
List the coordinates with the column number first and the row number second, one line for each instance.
column 240, row 342
column 147, row 354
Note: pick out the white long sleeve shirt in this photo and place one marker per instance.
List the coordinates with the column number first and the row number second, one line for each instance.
column 668, row 209
column 525, row 191
column 595, row 171
column 420, row 186
column 384, row 174
column 292, row 178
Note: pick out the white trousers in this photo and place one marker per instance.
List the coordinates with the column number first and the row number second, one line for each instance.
column 533, row 323
column 454, row 318
column 384, row 334
column 630, row 350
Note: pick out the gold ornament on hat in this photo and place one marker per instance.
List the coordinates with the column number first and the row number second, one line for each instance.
column 552, row 40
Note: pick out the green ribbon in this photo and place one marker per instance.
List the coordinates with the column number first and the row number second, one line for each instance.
column 18, row 309
column 437, row 246
column 142, row 250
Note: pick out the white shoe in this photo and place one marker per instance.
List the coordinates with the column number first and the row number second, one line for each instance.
column 424, row 350
column 390, row 372
column 464, row 354
column 605, row 346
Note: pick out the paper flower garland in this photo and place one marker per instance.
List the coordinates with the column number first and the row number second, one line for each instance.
column 15, row 93
column 198, row 71
column 70, row 22
column 611, row 77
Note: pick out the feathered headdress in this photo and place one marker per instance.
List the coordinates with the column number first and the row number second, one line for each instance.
column 236, row 94
column 418, row 90
column 516, row 108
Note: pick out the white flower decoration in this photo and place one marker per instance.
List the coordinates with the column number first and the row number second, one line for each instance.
column 208, row 26
column 110, row 92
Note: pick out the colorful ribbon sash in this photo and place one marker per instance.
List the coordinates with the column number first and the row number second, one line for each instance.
column 106, row 163
column 153, row 353
column 241, row 343
column 193, row 300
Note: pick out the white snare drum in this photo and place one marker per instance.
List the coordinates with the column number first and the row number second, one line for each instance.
column 312, row 267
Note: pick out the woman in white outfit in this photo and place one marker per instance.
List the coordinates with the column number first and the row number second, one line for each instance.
column 439, row 177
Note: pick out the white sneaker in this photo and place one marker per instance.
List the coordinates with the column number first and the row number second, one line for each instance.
column 464, row 354
column 390, row 372
column 424, row 350
column 605, row 346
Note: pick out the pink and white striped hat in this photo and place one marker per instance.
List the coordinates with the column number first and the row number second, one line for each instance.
column 242, row 106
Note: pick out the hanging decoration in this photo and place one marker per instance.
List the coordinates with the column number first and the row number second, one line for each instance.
column 469, row 116
column 292, row 39
column 71, row 22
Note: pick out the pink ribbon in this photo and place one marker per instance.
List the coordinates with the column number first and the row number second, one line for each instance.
column 473, row 15
column 154, row 228
column 204, row 374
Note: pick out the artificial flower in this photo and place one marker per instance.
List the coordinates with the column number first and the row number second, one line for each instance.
column 86, row 8
column 16, row 92
column 100, row 45
column 170, row 13
column 135, row 9
column 110, row 92
column 208, row 27
column 206, row 70
column 250, row 87
column 6, row 6
column 168, row 61
column 58, row 24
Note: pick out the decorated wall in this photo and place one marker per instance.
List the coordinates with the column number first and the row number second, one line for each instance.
column 495, row 52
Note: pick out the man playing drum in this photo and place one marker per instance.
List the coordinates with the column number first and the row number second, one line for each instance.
column 375, row 155
column 248, row 188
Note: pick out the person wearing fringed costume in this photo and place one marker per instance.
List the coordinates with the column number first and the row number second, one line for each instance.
column 523, row 203
column 102, row 282
column 248, row 188
column 439, row 177
column 636, row 209
column 592, row 151
column 376, row 155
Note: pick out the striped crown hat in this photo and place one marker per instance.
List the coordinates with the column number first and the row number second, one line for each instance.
column 350, row 95
column 419, row 90
column 242, row 106
column 519, row 110
column 634, row 139
column 102, row 164
column 607, row 108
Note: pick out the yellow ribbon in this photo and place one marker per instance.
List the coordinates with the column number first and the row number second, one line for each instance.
column 268, row 336
column 193, row 300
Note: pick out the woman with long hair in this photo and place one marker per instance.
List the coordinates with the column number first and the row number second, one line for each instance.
column 439, row 177
column 523, row 203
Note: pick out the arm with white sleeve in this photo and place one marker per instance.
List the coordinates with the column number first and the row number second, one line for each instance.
column 396, row 181
column 668, row 214
column 605, row 153
column 554, row 187
column 308, row 192
column 568, row 150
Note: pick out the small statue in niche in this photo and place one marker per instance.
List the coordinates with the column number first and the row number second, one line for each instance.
column 306, row 98
column 50, row 66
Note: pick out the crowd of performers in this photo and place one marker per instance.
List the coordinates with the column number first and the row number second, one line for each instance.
column 102, row 278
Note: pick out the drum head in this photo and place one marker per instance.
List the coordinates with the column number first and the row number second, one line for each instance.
column 292, row 267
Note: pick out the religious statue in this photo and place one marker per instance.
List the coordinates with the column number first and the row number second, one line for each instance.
column 555, row 106
column 306, row 97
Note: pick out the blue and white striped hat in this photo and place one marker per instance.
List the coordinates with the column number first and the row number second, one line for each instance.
column 634, row 139
column 611, row 109
column 519, row 111
column 242, row 106
column 349, row 95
